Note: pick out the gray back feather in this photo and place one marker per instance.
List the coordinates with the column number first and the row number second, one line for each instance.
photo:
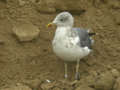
column 84, row 37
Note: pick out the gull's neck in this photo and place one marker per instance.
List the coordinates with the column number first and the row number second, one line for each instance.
column 62, row 31
column 65, row 28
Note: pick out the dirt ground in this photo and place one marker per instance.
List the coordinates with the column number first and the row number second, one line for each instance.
column 35, row 65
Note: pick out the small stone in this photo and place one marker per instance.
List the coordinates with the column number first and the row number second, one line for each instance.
column 32, row 83
column 19, row 87
column 115, row 73
column 84, row 87
column 1, row 42
column 46, row 6
column 33, row 1
column 56, row 88
column 109, row 67
column 93, row 73
column 26, row 31
column 117, row 84
column 47, row 86
column 104, row 82
column 21, row 2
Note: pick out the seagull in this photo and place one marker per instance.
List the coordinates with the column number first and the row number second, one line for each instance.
column 70, row 43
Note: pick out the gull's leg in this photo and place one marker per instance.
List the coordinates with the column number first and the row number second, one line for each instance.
column 66, row 75
column 77, row 75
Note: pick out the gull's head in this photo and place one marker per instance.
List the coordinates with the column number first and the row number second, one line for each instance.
column 63, row 19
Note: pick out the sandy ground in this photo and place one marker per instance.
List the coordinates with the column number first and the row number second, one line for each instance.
column 32, row 63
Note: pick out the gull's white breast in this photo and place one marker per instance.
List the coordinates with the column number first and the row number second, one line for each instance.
column 66, row 47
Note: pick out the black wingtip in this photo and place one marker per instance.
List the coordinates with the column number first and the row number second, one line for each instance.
column 92, row 34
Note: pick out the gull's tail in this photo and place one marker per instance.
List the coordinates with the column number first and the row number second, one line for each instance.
column 91, row 34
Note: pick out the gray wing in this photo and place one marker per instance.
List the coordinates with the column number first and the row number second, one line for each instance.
column 84, row 37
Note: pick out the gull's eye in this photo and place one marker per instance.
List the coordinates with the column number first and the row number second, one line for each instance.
column 61, row 19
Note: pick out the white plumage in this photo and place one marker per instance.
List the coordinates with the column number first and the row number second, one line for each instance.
column 66, row 47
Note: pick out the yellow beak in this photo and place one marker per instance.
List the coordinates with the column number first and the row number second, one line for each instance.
column 50, row 24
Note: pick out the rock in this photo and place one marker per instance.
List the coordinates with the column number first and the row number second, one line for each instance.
column 104, row 82
column 33, row 83
column 117, row 18
column 18, row 87
column 51, row 6
column 71, row 5
column 115, row 73
column 56, row 88
column 109, row 67
column 26, row 31
column 47, row 86
column 84, row 87
column 33, row 1
column 2, row 42
column 117, row 84
column 114, row 4
column 21, row 2
column 46, row 6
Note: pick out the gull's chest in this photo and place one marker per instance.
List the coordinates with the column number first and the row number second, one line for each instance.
column 63, row 38
column 66, row 45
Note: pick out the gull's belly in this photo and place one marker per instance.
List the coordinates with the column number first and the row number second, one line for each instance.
column 69, row 52
column 66, row 47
